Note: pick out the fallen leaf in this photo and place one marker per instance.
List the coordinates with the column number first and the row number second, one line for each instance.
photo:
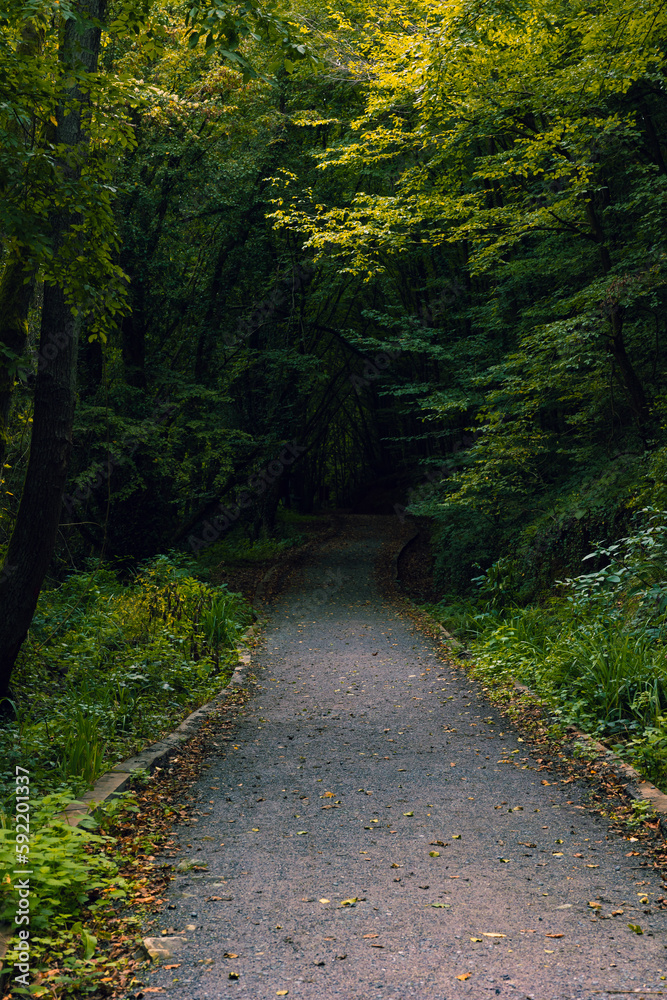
column 548, row 951
column 456, row 836
column 408, row 814
column 592, row 866
column 505, row 861
column 371, row 935
column 394, row 865
column 437, row 843
column 234, row 975
column 464, row 975
column 595, row 906
column 255, row 829
column 173, row 966
column 636, row 928
column 527, row 931
column 349, row 902
column 325, row 900
column 617, row 913
column 434, row 854
column 377, row 946
column 301, row 833
column 493, row 934
column 328, row 795
column 230, row 954
column 476, row 939
column 282, row 993
column 153, row 989
column 554, row 935
column 441, row 906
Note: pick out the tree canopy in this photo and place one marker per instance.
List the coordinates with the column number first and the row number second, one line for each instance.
column 379, row 256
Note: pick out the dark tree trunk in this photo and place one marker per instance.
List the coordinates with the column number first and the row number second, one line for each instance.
column 16, row 287
column 134, row 344
column 633, row 385
column 34, row 536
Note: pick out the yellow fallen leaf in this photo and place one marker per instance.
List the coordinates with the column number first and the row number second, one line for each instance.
column 230, row 954
column 464, row 975
column 282, row 993
column 371, row 935
column 325, row 901
column 476, row 939
column 592, row 866
column 434, row 854
column 255, row 829
column 554, row 935
column 349, row 902
column 408, row 814
column 456, row 836
column 595, row 906
column 493, row 934
column 548, row 951
column 328, row 795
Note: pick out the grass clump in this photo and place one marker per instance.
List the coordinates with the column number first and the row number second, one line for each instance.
column 595, row 651
column 110, row 666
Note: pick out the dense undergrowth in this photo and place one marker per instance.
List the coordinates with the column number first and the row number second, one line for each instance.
column 109, row 666
column 594, row 649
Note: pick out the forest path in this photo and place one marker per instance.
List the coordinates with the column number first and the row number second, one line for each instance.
column 360, row 750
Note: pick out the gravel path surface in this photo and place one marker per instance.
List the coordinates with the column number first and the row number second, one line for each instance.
column 387, row 834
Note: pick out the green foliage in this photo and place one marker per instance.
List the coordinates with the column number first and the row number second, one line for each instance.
column 108, row 667
column 68, row 867
column 596, row 653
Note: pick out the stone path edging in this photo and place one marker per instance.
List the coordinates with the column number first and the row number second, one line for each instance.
column 118, row 778
column 633, row 783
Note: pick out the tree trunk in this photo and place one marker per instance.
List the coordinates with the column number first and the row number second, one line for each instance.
column 16, row 287
column 34, row 536
column 633, row 385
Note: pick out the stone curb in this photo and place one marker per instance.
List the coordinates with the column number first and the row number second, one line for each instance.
column 395, row 560
column 115, row 781
column 632, row 781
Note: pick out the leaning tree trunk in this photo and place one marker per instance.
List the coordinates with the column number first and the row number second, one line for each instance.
column 34, row 536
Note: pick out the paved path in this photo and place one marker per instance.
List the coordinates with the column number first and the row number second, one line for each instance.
column 366, row 770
